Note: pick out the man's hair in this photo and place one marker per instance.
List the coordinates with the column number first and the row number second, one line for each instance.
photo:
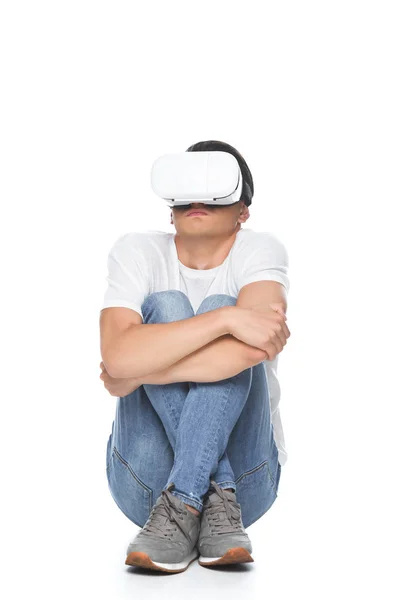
column 248, row 186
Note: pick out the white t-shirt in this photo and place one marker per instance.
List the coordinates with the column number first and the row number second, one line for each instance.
column 141, row 263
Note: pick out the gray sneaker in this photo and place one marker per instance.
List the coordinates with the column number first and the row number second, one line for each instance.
column 223, row 539
column 167, row 541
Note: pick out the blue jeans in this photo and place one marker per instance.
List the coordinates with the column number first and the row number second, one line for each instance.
column 189, row 433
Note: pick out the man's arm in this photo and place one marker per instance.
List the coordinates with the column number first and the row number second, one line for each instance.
column 220, row 359
column 146, row 348
column 226, row 356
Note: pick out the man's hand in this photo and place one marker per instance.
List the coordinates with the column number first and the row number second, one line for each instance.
column 263, row 327
column 118, row 387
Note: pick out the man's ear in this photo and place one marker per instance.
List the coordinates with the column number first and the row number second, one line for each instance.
column 244, row 212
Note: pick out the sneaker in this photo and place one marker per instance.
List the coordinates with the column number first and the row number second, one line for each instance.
column 167, row 541
column 223, row 539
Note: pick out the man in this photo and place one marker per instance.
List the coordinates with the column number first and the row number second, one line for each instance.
column 191, row 326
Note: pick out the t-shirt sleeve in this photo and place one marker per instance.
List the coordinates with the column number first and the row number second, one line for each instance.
column 265, row 259
column 127, row 285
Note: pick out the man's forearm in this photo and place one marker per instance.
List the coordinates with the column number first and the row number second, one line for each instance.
column 224, row 357
column 143, row 349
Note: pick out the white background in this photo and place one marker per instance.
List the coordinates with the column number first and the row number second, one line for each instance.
column 91, row 94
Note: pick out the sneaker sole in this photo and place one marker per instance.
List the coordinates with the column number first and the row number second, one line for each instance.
column 232, row 556
column 141, row 559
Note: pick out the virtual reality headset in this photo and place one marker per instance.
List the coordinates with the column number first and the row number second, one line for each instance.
column 208, row 177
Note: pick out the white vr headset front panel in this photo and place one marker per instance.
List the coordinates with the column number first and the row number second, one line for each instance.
column 186, row 177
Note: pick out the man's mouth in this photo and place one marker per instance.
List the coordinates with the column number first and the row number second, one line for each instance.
column 196, row 212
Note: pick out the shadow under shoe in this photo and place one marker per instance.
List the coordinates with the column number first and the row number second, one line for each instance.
column 167, row 541
column 223, row 539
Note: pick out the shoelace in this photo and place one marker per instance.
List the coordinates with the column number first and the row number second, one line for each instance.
column 165, row 510
column 213, row 507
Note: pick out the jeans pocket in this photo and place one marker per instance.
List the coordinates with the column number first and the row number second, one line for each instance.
column 256, row 491
column 132, row 496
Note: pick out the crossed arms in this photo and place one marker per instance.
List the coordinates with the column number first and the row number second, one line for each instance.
column 222, row 357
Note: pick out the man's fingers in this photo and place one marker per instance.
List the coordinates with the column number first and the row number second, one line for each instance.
column 282, row 337
column 283, row 323
column 278, row 308
column 286, row 330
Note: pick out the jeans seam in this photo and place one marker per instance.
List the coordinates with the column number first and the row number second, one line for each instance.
column 215, row 434
column 109, row 461
column 133, row 474
column 225, row 482
column 118, row 504
column 271, row 478
column 171, row 409
column 246, row 473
